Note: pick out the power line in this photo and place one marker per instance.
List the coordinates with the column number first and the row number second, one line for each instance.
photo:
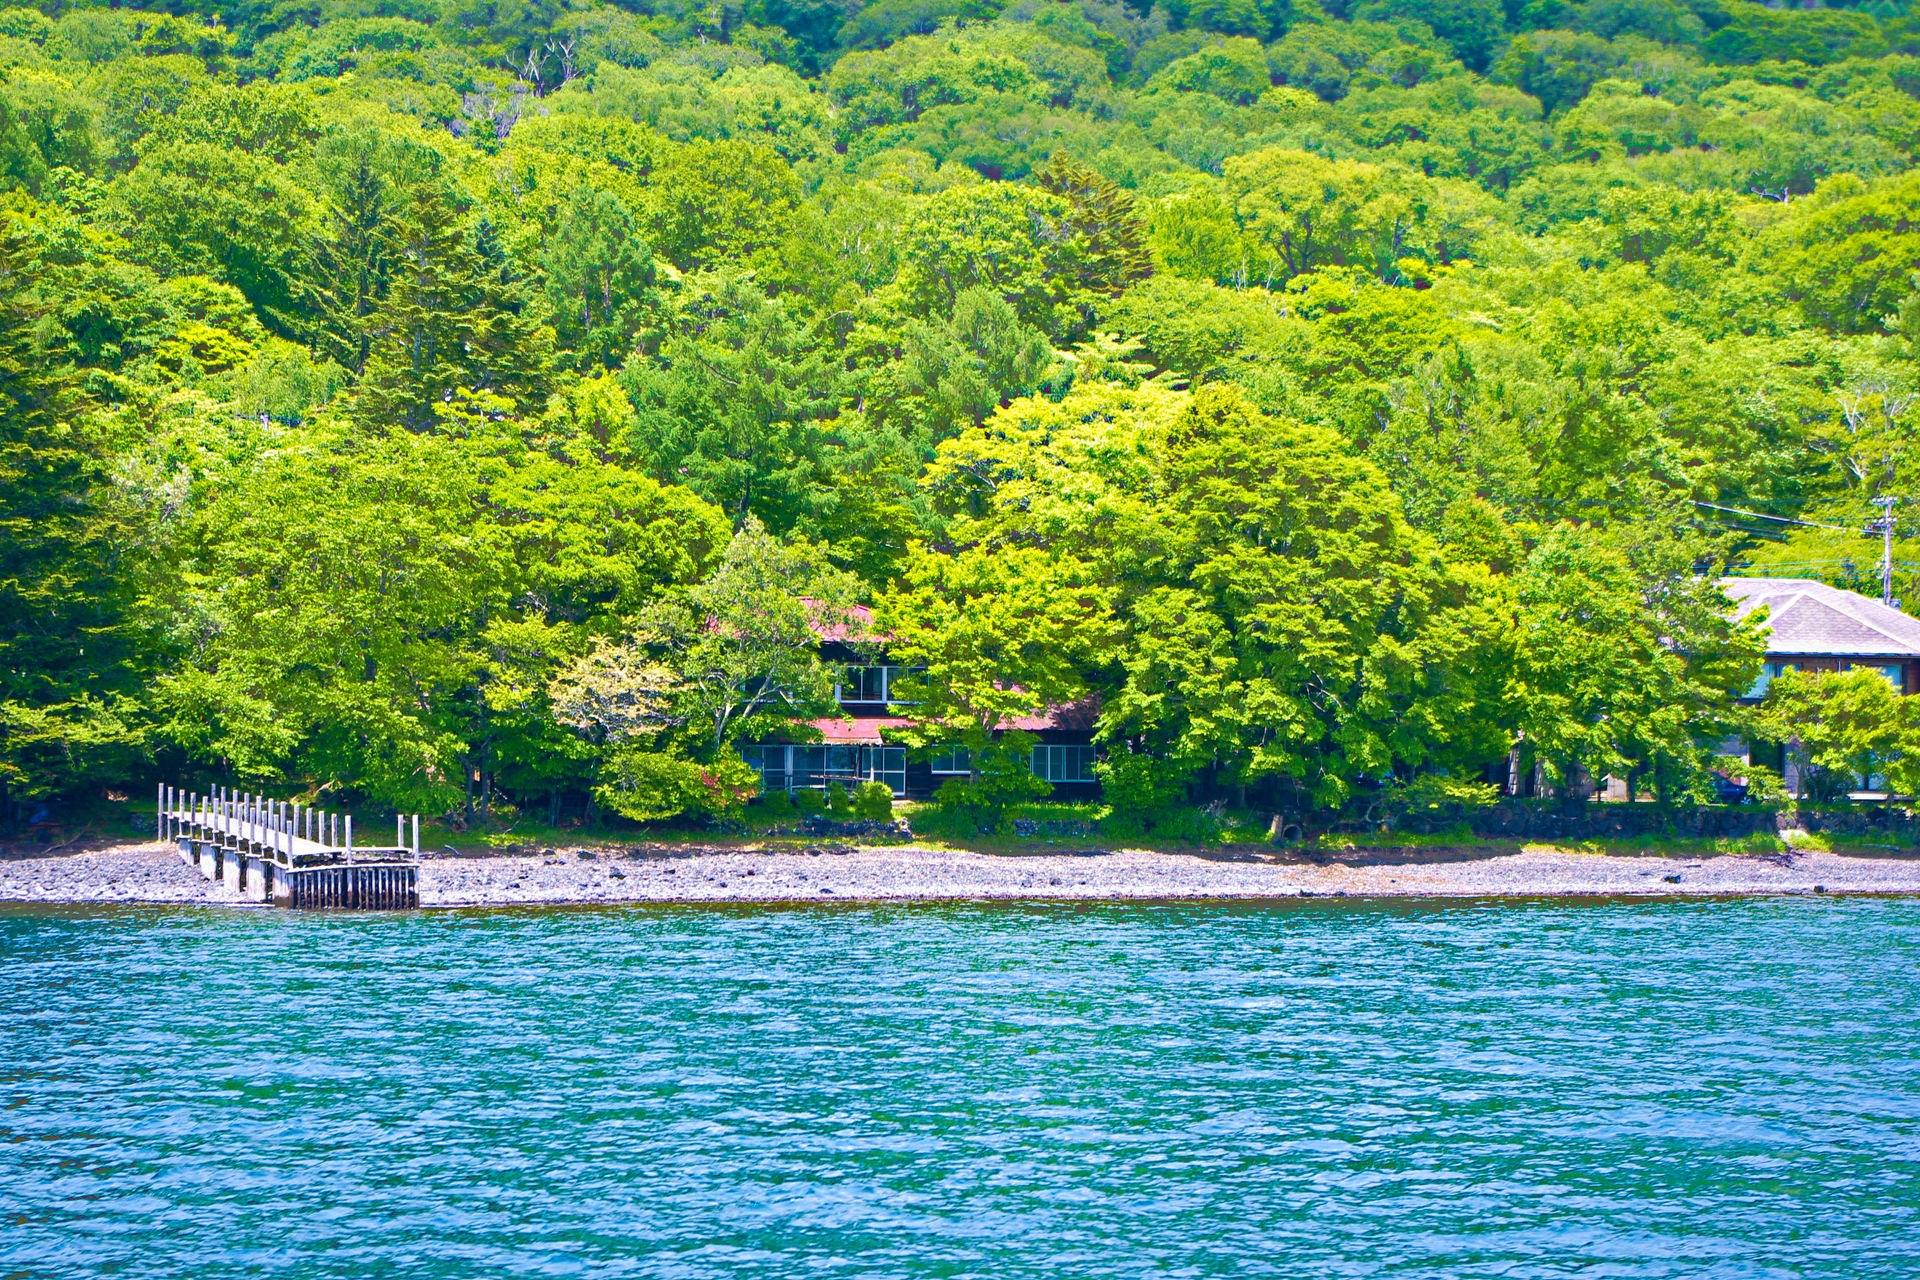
column 1765, row 535
column 1761, row 515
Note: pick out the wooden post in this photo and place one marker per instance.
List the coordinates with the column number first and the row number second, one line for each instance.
column 416, row 835
column 349, row 837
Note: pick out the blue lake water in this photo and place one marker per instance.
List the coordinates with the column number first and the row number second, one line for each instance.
column 1722, row 1088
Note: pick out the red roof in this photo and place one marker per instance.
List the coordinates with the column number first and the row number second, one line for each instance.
column 858, row 628
column 860, row 729
column 1083, row 714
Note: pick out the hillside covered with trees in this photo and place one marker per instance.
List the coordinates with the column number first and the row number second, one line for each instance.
column 463, row 406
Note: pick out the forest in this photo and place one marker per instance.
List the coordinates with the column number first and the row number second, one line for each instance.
column 480, row 407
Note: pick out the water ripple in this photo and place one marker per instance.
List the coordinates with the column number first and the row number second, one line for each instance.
column 1684, row 1089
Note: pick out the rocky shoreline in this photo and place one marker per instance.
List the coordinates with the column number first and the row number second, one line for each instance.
column 153, row 873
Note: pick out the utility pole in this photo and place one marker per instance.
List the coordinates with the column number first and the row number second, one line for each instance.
column 1883, row 525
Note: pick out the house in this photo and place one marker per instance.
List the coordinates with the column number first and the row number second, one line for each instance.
column 853, row 748
column 1814, row 627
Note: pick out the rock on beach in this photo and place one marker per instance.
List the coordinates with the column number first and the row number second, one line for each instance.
column 153, row 873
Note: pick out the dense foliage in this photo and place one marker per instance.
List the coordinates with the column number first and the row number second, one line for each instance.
column 476, row 407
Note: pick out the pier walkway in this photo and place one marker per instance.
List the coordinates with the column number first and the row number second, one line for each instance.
column 288, row 854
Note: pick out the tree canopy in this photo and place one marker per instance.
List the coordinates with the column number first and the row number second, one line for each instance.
column 1336, row 397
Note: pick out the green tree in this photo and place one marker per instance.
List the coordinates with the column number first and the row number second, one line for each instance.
column 1106, row 219
column 719, row 201
column 449, row 325
column 954, row 372
column 1282, row 626
column 70, row 660
column 1855, row 729
column 348, row 265
column 598, row 272
column 993, row 639
column 735, row 655
column 1021, row 242
column 1473, row 29
column 1847, row 257
column 1629, row 662
column 209, row 208
column 332, row 614
column 738, row 403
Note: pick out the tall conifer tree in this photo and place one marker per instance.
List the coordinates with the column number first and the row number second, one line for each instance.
column 63, row 630
column 453, row 321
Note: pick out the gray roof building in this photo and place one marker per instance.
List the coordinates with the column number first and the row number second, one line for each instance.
column 1811, row 619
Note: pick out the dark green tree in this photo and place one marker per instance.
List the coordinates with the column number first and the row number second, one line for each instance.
column 68, row 652
column 348, row 266
column 737, row 405
column 598, row 272
column 452, row 324
column 1106, row 218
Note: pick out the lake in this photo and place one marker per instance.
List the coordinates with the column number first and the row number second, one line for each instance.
column 1299, row 1089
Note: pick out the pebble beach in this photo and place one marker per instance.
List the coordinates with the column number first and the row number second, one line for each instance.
column 153, row 873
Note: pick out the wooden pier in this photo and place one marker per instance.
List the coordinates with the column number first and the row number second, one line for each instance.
column 291, row 855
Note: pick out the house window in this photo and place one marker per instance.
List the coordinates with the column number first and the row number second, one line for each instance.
column 1894, row 672
column 785, row 768
column 1769, row 672
column 1063, row 764
column 888, row 765
column 896, row 677
column 863, row 684
column 872, row 684
column 951, row 759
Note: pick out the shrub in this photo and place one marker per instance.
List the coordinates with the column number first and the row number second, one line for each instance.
column 873, row 801
column 1189, row 826
column 1428, row 803
column 1139, row 784
column 837, row 803
column 1001, row 779
column 777, row 805
column 649, row 786
column 809, row 801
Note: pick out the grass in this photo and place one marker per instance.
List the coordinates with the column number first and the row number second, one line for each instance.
column 1451, row 837
column 1668, row 847
column 933, row 827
